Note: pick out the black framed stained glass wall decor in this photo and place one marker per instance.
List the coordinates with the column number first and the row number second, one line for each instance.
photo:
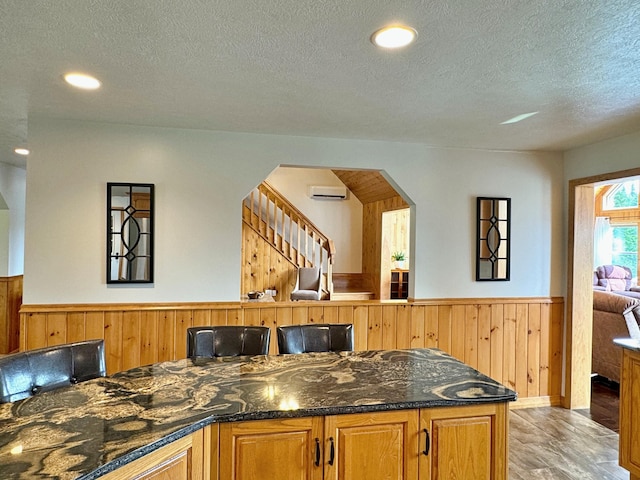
column 130, row 219
column 493, row 238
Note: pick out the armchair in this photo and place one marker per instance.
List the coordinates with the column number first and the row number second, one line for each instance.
column 308, row 284
column 616, row 279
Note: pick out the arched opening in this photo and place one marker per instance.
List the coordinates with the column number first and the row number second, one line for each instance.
column 301, row 216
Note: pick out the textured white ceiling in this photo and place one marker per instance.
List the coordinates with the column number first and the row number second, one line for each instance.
column 303, row 67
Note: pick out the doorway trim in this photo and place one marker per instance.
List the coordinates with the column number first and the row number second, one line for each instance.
column 579, row 308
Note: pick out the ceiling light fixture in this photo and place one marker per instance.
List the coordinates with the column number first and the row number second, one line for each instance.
column 395, row 36
column 518, row 118
column 80, row 80
column 22, row 151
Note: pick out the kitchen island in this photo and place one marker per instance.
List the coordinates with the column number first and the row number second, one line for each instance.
column 373, row 414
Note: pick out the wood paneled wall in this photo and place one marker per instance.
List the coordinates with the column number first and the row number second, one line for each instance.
column 518, row 342
column 372, row 236
column 264, row 267
column 10, row 302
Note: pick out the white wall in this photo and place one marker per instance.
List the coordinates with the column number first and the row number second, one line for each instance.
column 201, row 178
column 616, row 154
column 340, row 220
column 13, row 182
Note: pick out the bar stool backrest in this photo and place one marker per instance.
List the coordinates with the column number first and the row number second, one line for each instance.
column 28, row 373
column 227, row 341
column 323, row 337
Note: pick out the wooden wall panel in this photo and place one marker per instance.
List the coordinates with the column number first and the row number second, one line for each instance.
column 131, row 340
column 149, row 337
column 4, row 317
column 264, row 268
column 496, row 341
column 56, row 329
column 518, row 342
column 76, row 331
column 389, row 333
column 372, row 236
column 10, row 303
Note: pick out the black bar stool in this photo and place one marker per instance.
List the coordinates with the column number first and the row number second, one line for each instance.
column 324, row 337
column 227, row 341
column 28, row 373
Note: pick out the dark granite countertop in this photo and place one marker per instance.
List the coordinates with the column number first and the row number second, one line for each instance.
column 89, row 429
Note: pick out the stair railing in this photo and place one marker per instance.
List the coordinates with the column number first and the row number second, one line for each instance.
column 289, row 231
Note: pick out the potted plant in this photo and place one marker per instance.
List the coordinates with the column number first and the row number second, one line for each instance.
column 399, row 258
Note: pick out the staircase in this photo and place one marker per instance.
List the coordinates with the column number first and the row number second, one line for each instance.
column 352, row 287
column 287, row 231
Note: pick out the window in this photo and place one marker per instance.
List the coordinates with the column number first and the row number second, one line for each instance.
column 617, row 222
column 624, row 249
column 621, row 195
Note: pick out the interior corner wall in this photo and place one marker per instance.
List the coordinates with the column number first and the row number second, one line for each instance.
column 340, row 220
column 613, row 155
column 201, row 178
column 13, row 182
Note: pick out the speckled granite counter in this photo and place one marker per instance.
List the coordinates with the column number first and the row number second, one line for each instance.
column 628, row 343
column 92, row 428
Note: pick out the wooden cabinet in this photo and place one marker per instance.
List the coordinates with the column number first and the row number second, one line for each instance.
column 630, row 413
column 184, row 459
column 372, row 445
column 465, row 442
column 341, row 447
column 283, row 449
column 399, row 284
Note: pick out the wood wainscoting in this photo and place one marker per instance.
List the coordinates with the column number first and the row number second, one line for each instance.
column 516, row 341
column 10, row 302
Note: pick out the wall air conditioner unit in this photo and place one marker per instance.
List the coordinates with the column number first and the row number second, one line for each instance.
column 320, row 192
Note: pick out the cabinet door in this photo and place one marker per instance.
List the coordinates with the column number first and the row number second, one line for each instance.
column 629, row 413
column 283, row 449
column 464, row 442
column 381, row 445
column 184, row 459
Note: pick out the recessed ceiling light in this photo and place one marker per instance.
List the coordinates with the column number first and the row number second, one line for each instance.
column 518, row 118
column 395, row 36
column 80, row 80
column 22, row 151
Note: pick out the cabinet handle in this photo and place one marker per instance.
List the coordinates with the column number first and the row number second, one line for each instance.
column 427, row 444
column 317, row 462
column 332, row 451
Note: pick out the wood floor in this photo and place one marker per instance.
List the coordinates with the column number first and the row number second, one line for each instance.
column 560, row 444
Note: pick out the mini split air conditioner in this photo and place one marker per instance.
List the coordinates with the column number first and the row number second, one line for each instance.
column 325, row 192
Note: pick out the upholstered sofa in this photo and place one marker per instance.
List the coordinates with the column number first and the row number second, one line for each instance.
column 609, row 323
column 616, row 279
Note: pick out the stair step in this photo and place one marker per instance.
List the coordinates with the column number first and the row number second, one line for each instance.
column 351, row 282
column 352, row 296
column 351, row 286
